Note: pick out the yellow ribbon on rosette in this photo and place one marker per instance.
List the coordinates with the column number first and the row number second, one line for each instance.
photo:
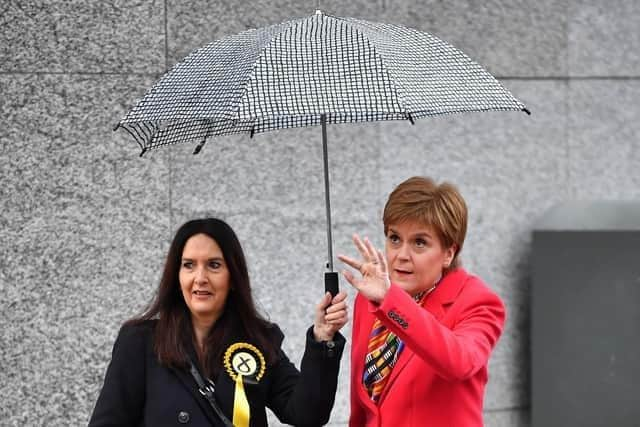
column 243, row 360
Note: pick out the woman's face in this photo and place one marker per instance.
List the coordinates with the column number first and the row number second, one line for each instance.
column 204, row 278
column 415, row 256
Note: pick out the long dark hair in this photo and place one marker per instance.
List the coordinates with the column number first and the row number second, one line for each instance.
column 174, row 329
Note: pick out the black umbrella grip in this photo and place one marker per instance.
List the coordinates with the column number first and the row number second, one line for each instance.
column 331, row 282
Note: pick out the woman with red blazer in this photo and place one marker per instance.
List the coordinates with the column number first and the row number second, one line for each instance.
column 423, row 328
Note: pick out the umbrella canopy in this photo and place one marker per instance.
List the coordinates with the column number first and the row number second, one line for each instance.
column 290, row 74
column 315, row 70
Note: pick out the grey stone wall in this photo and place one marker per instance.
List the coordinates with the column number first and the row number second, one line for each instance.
column 85, row 223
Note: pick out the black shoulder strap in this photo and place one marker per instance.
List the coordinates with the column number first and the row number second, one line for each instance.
column 207, row 389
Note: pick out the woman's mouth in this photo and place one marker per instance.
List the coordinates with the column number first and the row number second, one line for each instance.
column 201, row 293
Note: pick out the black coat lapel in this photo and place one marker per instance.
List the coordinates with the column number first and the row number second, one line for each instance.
column 191, row 386
column 224, row 387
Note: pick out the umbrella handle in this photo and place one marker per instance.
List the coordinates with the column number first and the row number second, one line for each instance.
column 331, row 282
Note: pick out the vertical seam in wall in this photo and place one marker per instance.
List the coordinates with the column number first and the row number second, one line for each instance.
column 567, row 138
column 169, row 152
column 567, row 108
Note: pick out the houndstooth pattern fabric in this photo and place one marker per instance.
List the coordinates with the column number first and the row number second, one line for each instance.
column 288, row 75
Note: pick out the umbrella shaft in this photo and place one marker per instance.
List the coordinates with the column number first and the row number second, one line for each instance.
column 325, row 155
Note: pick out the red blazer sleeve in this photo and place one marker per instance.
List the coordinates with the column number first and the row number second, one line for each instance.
column 457, row 350
column 357, row 415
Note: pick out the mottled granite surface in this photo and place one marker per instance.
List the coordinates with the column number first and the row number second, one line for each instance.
column 604, row 140
column 508, row 37
column 85, row 222
column 604, row 38
column 82, row 36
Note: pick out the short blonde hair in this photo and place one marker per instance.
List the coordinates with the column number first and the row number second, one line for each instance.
column 419, row 199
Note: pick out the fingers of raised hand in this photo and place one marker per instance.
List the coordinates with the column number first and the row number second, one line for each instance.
column 367, row 251
column 350, row 278
column 382, row 260
column 350, row 262
column 371, row 251
column 360, row 245
column 366, row 248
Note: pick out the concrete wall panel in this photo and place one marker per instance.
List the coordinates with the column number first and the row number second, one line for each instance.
column 603, row 38
column 82, row 36
column 85, row 223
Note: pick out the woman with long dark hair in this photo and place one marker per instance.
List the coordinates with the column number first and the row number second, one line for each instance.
column 201, row 354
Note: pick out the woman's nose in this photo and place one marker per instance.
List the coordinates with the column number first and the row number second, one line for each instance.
column 200, row 275
column 403, row 251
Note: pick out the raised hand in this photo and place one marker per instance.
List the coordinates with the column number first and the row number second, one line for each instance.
column 331, row 316
column 374, row 281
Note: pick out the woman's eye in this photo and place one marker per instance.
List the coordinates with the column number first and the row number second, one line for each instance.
column 394, row 238
column 187, row 264
column 421, row 243
column 215, row 264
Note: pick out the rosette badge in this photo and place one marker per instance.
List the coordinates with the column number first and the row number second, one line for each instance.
column 245, row 364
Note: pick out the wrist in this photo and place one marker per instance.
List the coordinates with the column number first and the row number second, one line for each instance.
column 382, row 295
column 320, row 336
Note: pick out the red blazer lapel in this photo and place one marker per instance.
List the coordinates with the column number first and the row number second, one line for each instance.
column 406, row 355
column 433, row 306
column 359, row 349
column 445, row 293
column 435, row 303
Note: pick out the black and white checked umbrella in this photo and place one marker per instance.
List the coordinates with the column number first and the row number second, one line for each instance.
column 311, row 71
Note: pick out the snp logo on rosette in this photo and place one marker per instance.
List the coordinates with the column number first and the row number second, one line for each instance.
column 245, row 364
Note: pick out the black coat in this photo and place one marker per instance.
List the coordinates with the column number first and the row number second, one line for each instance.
column 139, row 391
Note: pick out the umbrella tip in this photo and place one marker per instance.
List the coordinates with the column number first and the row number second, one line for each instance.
column 526, row 110
column 115, row 128
column 144, row 150
column 199, row 147
column 318, row 12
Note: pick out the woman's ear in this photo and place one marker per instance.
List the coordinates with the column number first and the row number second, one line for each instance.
column 450, row 253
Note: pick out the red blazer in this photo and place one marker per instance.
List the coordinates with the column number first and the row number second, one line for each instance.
column 440, row 376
